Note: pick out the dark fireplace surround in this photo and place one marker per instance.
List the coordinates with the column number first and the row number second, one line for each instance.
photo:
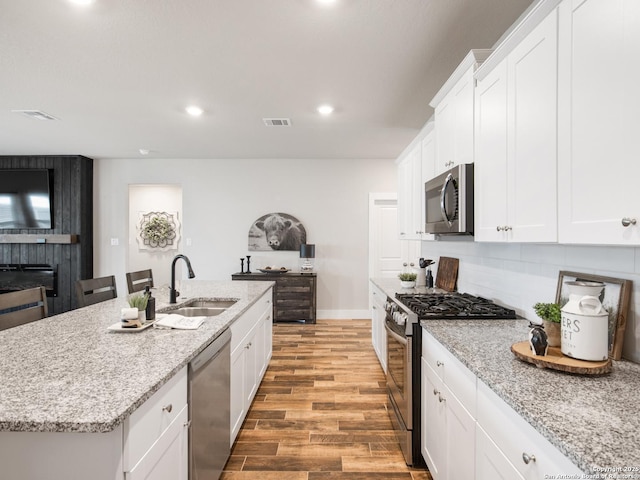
column 55, row 258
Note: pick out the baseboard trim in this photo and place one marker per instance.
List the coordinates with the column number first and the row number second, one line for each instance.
column 343, row 314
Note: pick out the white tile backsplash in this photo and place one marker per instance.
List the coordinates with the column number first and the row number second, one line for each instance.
column 519, row 275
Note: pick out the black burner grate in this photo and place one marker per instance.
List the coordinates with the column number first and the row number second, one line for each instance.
column 453, row 306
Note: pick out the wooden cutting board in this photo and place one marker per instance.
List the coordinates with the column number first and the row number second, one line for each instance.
column 447, row 275
column 554, row 359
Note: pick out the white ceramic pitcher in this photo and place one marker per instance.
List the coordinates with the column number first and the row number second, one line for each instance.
column 585, row 323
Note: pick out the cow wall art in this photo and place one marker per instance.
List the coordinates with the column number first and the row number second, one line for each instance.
column 276, row 231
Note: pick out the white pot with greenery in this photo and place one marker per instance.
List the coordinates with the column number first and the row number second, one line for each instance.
column 407, row 280
column 140, row 302
column 550, row 315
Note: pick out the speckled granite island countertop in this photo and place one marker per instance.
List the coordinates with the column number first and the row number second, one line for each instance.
column 593, row 420
column 68, row 373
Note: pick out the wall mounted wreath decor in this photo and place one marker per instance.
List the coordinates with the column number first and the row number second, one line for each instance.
column 158, row 231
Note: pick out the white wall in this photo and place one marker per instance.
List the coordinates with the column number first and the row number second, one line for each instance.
column 519, row 275
column 222, row 198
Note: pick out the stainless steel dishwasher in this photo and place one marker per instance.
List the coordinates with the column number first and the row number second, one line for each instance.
column 209, row 409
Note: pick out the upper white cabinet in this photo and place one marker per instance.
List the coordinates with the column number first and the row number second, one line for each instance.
column 516, row 139
column 599, row 125
column 415, row 167
column 454, row 112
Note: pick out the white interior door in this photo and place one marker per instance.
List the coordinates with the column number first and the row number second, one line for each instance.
column 386, row 251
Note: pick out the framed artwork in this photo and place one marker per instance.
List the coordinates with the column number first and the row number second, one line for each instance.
column 276, row 231
column 614, row 298
column 158, row 231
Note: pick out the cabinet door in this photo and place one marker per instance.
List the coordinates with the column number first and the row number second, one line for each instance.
column 434, row 427
column 599, row 100
column 404, row 196
column 428, row 168
column 238, row 409
column 491, row 464
column 168, row 459
column 460, row 439
column 532, row 79
column 490, row 169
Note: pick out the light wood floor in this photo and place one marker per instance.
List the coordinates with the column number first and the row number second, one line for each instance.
column 320, row 412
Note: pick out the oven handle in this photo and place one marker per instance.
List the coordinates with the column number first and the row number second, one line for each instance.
column 395, row 336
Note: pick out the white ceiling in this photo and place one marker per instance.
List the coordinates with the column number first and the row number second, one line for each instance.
column 119, row 73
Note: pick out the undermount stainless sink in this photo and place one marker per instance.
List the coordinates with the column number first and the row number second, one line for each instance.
column 204, row 308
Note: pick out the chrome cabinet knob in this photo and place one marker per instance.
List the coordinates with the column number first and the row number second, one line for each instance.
column 435, row 392
column 499, row 228
column 439, row 363
column 526, row 458
column 167, row 408
column 507, row 228
column 441, row 399
column 626, row 221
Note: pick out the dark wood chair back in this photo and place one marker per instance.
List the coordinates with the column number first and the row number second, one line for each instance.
column 24, row 306
column 95, row 290
column 136, row 281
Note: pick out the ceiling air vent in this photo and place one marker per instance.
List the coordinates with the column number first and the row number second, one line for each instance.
column 277, row 122
column 40, row 115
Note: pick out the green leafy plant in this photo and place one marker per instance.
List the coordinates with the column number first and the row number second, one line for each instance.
column 548, row 311
column 138, row 301
column 407, row 277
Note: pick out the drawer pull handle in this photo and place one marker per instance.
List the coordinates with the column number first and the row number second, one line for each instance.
column 435, row 392
column 187, row 424
column 441, row 398
column 439, row 363
column 167, row 408
column 626, row 221
column 526, row 458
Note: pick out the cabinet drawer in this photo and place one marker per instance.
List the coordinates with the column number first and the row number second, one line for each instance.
column 457, row 377
column 515, row 437
column 145, row 425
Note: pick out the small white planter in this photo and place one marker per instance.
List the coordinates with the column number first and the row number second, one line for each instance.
column 404, row 284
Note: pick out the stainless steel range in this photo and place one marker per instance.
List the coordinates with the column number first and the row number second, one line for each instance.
column 404, row 348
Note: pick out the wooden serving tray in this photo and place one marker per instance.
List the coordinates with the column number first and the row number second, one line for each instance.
column 555, row 360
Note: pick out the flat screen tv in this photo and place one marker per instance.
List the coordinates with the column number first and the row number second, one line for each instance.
column 25, row 199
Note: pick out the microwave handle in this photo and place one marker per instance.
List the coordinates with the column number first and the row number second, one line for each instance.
column 443, row 193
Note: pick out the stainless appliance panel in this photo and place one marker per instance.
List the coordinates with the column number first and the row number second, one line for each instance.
column 399, row 374
column 449, row 202
column 209, row 409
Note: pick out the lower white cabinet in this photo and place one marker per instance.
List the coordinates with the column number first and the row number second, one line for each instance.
column 469, row 432
column 448, row 424
column 168, row 458
column 378, row 332
column 251, row 347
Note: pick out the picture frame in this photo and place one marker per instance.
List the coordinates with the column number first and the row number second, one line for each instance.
column 614, row 298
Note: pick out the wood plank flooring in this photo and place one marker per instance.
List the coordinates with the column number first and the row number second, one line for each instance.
column 320, row 412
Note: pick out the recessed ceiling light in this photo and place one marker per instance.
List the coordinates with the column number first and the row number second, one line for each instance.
column 144, row 151
column 326, row 2
column 194, row 110
column 325, row 109
column 82, row 2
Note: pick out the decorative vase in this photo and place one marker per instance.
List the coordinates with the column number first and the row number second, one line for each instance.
column 585, row 323
column 552, row 329
column 405, row 284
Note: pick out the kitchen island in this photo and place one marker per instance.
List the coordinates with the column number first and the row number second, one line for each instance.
column 68, row 377
column 592, row 420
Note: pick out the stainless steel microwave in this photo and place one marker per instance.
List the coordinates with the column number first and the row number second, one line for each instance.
column 449, row 202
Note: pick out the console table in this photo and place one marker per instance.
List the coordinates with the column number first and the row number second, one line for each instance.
column 294, row 294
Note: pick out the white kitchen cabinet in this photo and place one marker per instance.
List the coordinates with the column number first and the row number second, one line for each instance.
column 168, row 458
column 491, row 464
column 448, row 408
column 454, row 114
column 524, row 449
column 378, row 332
column 515, row 133
column 415, row 166
column 599, row 100
column 251, row 347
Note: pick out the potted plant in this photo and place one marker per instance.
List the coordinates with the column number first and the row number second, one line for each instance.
column 407, row 280
column 140, row 302
column 550, row 315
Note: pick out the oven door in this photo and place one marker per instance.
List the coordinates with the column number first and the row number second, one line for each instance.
column 399, row 374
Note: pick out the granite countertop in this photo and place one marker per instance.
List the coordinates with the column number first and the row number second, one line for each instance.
column 593, row 420
column 68, row 373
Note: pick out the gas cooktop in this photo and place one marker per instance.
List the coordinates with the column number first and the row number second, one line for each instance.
column 437, row 306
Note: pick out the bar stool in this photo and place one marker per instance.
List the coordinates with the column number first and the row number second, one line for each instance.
column 23, row 306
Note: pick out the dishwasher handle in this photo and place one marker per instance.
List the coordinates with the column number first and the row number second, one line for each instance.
column 211, row 351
